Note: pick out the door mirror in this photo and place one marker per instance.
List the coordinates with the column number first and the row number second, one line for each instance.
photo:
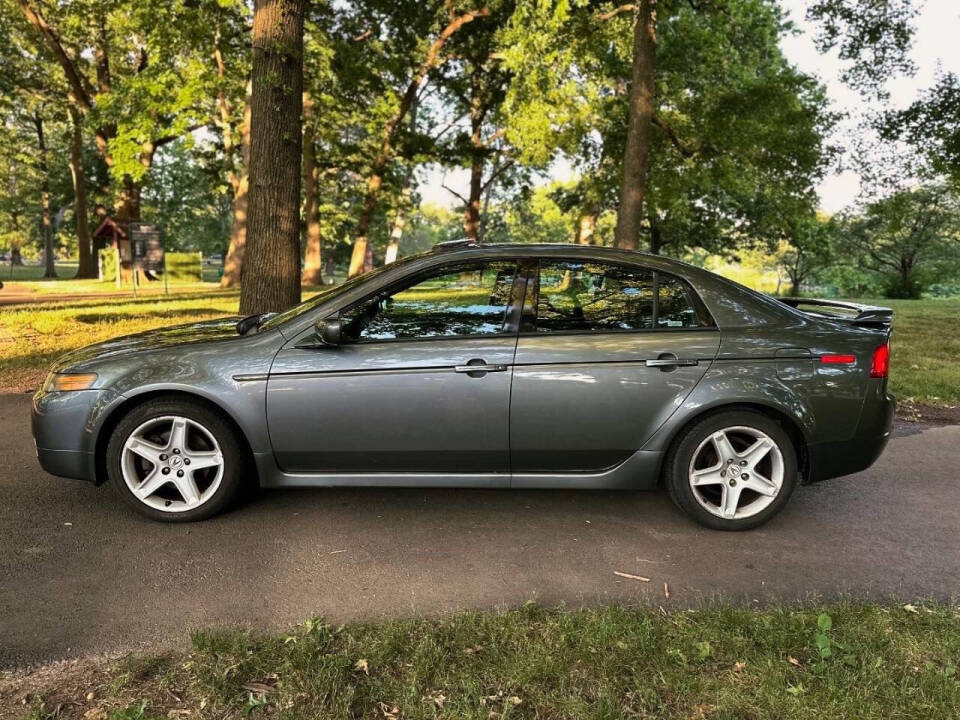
column 328, row 331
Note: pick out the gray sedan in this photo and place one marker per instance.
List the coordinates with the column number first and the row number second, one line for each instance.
column 525, row 366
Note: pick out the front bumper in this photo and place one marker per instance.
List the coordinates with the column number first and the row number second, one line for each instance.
column 833, row 459
column 64, row 425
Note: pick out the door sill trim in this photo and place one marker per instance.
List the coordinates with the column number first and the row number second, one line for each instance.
column 639, row 471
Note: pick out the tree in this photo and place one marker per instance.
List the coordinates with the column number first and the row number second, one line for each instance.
column 736, row 134
column 640, row 116
column 872, row 37
column 136, row 71
column 931, row 125
column 906, row 233
column 808, row 250
column 430, row 60
column 272, row 263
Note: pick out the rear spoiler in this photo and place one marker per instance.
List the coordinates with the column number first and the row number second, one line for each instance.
column 842, row 311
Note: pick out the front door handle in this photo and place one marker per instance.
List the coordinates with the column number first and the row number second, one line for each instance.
column 478, row 368
column 668, row 360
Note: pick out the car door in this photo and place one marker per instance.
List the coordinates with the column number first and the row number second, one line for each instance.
column 419, row 384
column 608, row 355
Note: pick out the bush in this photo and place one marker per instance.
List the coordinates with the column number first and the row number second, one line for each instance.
column 900, row 289
column 185, row 266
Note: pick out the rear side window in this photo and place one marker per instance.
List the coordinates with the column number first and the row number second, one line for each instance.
column 602, row 297
column 674, row 309
column 594, row 297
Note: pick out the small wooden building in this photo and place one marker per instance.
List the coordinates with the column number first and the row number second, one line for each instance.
column 110, row 233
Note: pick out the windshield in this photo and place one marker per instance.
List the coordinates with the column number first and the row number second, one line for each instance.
column 327, row 293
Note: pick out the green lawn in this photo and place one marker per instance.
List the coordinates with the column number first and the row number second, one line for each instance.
column 925, row 357
column 925, row 363
column 838, row 661
column 33, row 336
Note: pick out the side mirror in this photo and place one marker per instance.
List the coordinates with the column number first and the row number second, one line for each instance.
column 328, row 331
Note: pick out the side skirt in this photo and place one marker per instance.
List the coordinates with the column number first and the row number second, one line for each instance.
column 638, row 472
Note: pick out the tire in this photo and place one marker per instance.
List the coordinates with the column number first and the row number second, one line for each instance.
column 700, row 455
column 210, row 445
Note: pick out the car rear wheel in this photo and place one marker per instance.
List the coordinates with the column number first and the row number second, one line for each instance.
column 175, row 460
column 733, row 470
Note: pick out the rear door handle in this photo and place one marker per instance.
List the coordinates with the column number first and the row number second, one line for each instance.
column 670, row 360
column 478, row 368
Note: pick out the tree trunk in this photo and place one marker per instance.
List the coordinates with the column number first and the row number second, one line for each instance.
column 127, row 204
column 393, row 248
column 639, row 118
column 313, row 259
column 359, row 255
column 233, row 262
column 272, row 265
column 587, row 225
column 87, row 267
column 46, row 220
column 471, row 219
column 657, row 240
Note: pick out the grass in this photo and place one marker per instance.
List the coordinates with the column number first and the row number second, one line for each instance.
column 33, row 336
column 925, row 367
column 837, row 661
column 925, row 359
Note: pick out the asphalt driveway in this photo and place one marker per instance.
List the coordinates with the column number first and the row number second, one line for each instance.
column 80, row 574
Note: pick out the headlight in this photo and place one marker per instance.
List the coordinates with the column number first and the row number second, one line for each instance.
column 65, row 382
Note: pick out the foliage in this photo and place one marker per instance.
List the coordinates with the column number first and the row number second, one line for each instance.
column 873, row 37
column 911, row 237
column 931, row 125
column 739, row 137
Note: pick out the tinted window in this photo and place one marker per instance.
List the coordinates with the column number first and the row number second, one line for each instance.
column 464, row 300
column 594, row 296
column 675, row 309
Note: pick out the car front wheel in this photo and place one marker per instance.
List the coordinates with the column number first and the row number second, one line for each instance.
column 175, row 460
column 733, row 470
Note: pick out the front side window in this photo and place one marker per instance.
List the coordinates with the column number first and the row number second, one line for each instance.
column 600, row 297
column 464, row 300
column 589, row 296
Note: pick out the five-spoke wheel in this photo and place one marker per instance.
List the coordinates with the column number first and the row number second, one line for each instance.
column 733, row 470
column 174, row 460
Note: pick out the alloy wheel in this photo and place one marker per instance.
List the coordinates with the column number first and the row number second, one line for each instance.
column 736, row 472
column 172, row 463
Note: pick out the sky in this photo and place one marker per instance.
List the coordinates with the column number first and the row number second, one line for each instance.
column 936, row 46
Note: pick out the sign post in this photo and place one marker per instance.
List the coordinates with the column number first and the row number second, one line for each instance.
column 146, row 245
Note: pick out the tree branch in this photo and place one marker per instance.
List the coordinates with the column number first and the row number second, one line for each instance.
column 495, row 174
column 455, row 193
column 79, row 83
column 675, row 140
column 630, row 7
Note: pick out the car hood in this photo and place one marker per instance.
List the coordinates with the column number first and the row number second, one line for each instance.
column 177, row 335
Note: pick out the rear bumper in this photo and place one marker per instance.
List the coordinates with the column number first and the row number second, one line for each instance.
column 833, row 459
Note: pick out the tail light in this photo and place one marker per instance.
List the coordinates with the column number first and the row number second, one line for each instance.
column 880, row 364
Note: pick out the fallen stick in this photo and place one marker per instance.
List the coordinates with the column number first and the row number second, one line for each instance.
column 631, row 577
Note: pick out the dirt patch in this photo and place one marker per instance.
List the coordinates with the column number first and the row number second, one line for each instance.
column 60, row 688
column 911, row 412
column 93, row 687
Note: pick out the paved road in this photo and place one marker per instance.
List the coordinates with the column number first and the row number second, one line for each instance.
column 79, row 574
